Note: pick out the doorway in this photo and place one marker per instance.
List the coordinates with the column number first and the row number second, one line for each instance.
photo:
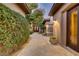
column 72, row 29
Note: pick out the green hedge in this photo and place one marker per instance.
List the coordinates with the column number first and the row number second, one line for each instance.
column 14, row 30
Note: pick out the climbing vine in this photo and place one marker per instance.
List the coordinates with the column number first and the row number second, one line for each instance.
column 14, row 30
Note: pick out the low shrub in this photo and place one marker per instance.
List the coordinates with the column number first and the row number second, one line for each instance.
column 14, row 30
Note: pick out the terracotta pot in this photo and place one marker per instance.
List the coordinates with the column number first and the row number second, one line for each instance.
column 1, row 45
column 53, row 40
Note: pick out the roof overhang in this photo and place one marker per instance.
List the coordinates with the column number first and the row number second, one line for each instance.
column 24, row 7
column 55, row 8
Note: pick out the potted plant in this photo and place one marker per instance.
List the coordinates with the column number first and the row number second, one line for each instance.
column 1, row 45
column 53, row 40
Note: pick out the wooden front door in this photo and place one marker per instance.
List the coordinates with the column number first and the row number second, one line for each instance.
column 72, row 29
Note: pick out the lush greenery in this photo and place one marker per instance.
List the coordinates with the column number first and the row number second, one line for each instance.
column 32, row 5
column 31, row 17
column 36, row 18
column 14, row 30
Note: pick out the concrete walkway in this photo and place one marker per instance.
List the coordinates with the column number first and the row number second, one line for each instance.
column 40, row 46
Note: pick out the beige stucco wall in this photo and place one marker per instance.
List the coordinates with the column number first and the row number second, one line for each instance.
column 61, row 17
column 14, row 7
column 63, row 28
column 56, row 29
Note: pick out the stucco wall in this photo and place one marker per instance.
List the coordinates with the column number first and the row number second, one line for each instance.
column 63, row 28
column 61, row 17
column 14, row 7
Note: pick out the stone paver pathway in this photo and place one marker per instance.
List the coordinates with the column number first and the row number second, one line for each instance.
column 40, row 46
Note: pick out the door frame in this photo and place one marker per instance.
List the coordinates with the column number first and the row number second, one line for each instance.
column 68, row 27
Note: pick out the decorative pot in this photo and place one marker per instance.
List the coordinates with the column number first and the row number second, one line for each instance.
column 53, row 40
column 1, row 45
